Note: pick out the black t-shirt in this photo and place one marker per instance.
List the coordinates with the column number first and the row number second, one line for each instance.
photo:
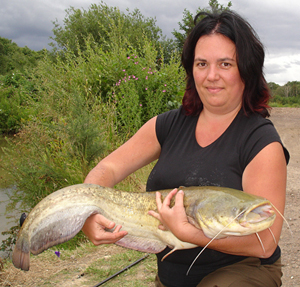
column 183, row 162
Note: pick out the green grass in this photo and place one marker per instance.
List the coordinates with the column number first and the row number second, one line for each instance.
column 138, row 275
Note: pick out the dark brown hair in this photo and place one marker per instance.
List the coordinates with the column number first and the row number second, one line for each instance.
column 250, row 59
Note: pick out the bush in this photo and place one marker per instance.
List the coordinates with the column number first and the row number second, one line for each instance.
column 144, row 90
column 279, row 101
column 16, row 101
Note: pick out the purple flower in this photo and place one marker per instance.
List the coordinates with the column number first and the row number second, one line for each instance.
column 164, row 91
column 57, row 253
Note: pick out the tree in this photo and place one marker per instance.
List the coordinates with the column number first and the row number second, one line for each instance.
column 273, row 87
column 294, row 88
column 13, row 57
column 97, row 23
column 187, row 23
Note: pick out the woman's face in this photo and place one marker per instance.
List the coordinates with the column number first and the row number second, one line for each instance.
column 216, row 74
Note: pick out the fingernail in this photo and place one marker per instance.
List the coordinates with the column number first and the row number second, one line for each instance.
column 180, row 191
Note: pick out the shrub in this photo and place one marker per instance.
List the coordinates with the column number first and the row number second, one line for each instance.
column 16, row 101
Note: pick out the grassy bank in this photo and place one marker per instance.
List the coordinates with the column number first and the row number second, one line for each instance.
column 87, row 265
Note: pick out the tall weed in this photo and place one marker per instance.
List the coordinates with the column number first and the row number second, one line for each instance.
column 50, row 155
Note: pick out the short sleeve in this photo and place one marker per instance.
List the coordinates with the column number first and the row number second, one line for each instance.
column 164, row 123
column 259, row 138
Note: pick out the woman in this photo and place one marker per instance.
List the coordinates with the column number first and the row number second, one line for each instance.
column 218, row 137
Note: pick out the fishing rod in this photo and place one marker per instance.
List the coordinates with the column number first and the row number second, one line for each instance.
column 127, row 267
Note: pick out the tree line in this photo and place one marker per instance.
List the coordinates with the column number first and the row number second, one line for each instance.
column 286, row 95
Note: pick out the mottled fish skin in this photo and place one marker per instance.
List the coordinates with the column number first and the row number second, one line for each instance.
column 61, row 215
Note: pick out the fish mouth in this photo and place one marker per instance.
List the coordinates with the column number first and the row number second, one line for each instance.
column 257, row 214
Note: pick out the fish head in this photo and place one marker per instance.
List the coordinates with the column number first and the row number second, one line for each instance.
column 257, row 217
column 233, row 215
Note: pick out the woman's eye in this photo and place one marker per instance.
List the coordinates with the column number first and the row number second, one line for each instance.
column 225, row 65
column 201, row 65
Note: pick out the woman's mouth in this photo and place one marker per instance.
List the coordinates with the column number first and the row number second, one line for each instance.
column 214, row 90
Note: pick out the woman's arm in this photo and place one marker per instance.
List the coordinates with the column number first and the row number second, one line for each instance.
column 137, row 152
column 265, row 176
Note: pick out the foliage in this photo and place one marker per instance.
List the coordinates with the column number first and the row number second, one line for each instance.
column 287, row 95
column 8, row 243
column 17, row 85
column 51, row 153
column 85, row 106
column 137, row 83
column 98, row 22
column 187, row 22
column 145, row 90
column 16, row 97
column 14, row 58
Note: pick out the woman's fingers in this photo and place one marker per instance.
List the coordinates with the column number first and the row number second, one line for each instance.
column 154, row 214
column 167, row 200
column 179, row 198
column 158, row 200
column 94, row 229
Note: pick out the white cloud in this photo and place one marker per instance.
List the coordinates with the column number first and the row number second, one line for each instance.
column 282, row 68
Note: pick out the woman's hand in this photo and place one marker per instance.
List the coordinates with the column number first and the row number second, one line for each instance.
column 174, row 218
column 94, row 229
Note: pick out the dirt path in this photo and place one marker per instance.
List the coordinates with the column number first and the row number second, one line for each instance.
column 287, row 122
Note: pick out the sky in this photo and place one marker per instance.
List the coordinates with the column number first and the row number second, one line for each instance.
column 277, row 22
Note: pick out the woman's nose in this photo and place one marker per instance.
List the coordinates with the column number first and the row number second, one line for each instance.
column 213, row 73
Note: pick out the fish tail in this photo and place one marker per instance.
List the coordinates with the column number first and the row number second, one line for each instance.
column 21, row 253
